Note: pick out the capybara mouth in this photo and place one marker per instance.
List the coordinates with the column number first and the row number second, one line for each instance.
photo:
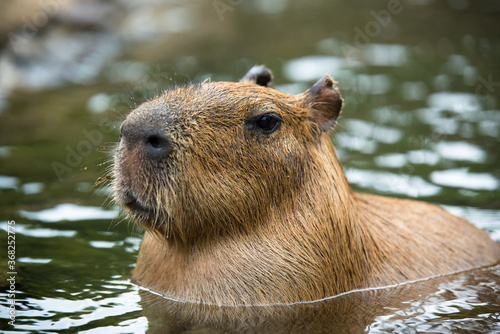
column 134, row 205
column 138, row 209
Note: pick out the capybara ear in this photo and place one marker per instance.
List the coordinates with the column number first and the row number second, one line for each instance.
column 259, row 75
column 325, row 100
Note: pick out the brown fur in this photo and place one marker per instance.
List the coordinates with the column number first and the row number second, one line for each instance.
column 236, row 217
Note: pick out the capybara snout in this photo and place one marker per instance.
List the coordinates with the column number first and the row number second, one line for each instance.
column 152, row 143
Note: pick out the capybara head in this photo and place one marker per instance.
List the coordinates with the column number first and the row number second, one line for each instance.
column 212, row 158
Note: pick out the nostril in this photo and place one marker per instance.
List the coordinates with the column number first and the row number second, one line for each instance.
column 157, row 142
column 143, row 140
column 158, row 145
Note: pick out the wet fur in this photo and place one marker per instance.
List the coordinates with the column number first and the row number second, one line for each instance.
column 238, row 218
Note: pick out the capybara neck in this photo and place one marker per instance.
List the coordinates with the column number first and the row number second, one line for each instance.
column 244, row 201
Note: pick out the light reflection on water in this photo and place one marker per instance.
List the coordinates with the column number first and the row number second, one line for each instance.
column 391, row 183
column 312, row 67
column 38, row 232
column 122, row 302
column 461, row 178
column 70, row 212
column 419, row 121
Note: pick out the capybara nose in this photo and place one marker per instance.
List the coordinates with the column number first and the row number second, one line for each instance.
column 153, row 144
column 158, row 146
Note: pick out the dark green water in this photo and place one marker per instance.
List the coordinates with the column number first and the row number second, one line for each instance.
column 421, row 82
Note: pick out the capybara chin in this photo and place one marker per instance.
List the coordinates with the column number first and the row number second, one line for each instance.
column 244, row 201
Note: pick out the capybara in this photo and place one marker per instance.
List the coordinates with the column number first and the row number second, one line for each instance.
column 244, row 201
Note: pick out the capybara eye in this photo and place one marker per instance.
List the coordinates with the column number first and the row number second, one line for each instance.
column 268, row 123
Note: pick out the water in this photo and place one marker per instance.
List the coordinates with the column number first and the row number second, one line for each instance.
column 421, row 120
